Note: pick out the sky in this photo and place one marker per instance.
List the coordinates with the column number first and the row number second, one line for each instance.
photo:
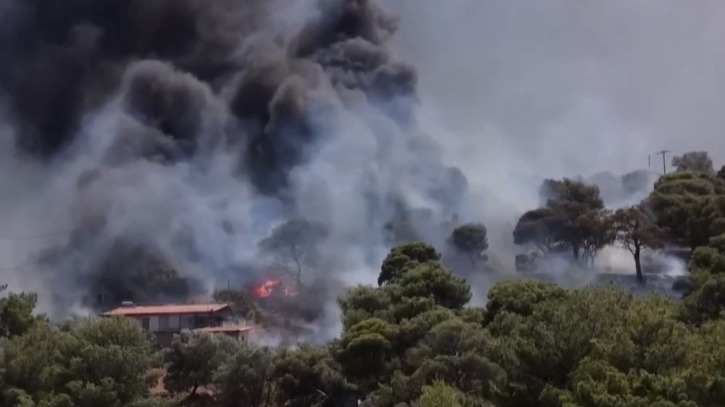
column 570, row 86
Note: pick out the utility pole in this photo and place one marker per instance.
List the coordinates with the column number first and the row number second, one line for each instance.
column 649, row 162
column 664, row 161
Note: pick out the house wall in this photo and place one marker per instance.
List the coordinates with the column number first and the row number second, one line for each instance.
column 164, row 327
column 179, row 322
column 240, row 336
column 154, row 323
column 166, row 323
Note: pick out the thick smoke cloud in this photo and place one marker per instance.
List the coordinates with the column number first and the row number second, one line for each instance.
column 166, row 138
column 162, row 140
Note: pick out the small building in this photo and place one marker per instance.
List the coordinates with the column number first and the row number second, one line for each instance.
column 163, row 321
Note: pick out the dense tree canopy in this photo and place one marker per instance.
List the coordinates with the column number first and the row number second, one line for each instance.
column 403, row 257
column 572, row 218
column 690, row 206
column 192, row 359
column 86, row 363
column 540, row 227
column 471, row 240
column 16, row 314
column 568, row 192
column 698, row 161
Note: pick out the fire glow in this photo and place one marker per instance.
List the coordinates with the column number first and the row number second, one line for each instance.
column 271, row 286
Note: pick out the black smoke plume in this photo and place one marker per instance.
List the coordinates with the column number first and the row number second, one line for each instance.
column 170, row 136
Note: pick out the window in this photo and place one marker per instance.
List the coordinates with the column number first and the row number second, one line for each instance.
column 164, row 323
column 145, row 323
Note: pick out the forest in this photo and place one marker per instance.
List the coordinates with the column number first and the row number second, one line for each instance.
column 414, row 340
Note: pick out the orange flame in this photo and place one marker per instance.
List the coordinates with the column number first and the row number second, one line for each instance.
column 265, row 289
column 268, row 287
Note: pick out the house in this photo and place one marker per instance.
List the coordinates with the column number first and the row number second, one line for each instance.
column 163, row 321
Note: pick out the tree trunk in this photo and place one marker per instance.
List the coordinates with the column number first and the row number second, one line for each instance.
column 638, row 265
column 298, row 265
column 575, row 251
column 298, row 281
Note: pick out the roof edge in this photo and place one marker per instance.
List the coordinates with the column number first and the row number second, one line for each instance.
column 139, row 310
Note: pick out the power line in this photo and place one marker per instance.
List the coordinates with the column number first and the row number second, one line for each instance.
column 664, row 160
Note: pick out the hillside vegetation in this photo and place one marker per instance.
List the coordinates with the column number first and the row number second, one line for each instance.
column 413, row 340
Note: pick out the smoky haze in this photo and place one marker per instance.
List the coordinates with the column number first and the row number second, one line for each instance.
column 528, row 89
column 172, row 136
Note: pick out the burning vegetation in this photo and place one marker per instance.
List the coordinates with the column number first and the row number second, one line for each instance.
column 273, row 287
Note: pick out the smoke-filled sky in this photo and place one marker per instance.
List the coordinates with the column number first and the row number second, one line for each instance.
column 571, row 86
column 525, row 89
column 179, row 133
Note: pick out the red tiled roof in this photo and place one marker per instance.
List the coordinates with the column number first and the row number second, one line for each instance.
column 225, row 329
column 166, row 309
